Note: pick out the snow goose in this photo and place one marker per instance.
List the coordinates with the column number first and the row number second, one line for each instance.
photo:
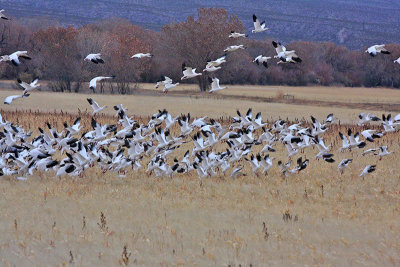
column 189, row 72
column 163, row 81
column 233, row 48
column 11, row 98
column 235, row 35
column 96, row 108
column 375, row 49
column 14, row 57
column 216, row 62
column 266, row 163
column 29, row 87
column 93, row 82
column 370, row 135
column 95, row 58
column 258, row 26
column 344, row 164
column 2, row 16
column 284, row 55
column 214, row 85
column 262, row 60
column 142, row 55
column 254, row 162
column 211, row 69
column 383, row 151
column 169, row 86
column 367, row 170
column 397, row 61
column 364, row 118
column 237, row 172
column 301, row 165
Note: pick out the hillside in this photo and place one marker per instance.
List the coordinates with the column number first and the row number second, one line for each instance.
column 352, row 23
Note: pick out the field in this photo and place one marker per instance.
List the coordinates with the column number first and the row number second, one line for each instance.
column 315, row 218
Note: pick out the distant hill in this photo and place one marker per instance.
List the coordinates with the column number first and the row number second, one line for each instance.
column 353, row 23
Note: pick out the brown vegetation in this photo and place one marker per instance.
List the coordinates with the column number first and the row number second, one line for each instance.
column 58, row 54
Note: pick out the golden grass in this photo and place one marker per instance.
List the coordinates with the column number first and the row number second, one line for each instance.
column 198, row 105
column 335, row 220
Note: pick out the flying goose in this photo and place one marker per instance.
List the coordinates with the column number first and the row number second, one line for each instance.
column 163, row 81
column 189, row 72
column 233, row 48
column 364, row 118
column 397, row 61
column 2, row 16
column 284, row 55
column 96, row 108
column 262, row 60
column 367, row 170
column 142, row 55
column 95, row 58
column 169, row 86
column 93, row 82
column 258, row 26
column 14, row 57
column 234, row 34
column 29, row 87
column 216, row 62
column 344, row 164
column 375, row 49
column 211, row 69
column 214, row 85
column 11, row 98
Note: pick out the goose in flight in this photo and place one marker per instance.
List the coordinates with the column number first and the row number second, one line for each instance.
column 11, row 98
column 217, row 62
column 169, row 86
column 95, row 58
column 142, row 55
column 2, row 16
column 215, row 85
column 163, row 81
column 397, row 61
column 234, row 34
column 262, row 60
column 364, row 118
column 233, row 48
column 367, row 170
column 14, row 57
column 284, row 55
column 93, row 82
column 375, row 49
column 344, row 164
column 211, row 69
column 29, row 87
column 96, row 108
column 258, row 26
column 189, row 72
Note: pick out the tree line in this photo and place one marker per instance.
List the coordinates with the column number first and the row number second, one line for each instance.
column 57, row 55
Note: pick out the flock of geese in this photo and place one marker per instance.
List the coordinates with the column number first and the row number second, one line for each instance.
column 188, row 72
column 211, row 149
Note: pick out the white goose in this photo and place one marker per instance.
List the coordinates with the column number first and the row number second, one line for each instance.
column 93, row 82
column 262, row 60
column 235, row 35
column 2, row 16
column 258, row 26
column 14, row 57
column 29, row 87
column 169, row 86
column 217, row 62
column 233, row 48
column 95, row 58
column 215, row 85
column 163, row 81
column 189, row 72
column 367, row 170
column 96, row 108
column 375, row 49
column 284, row 55
column 142, row 55
column 11, row 98
column 397, row 61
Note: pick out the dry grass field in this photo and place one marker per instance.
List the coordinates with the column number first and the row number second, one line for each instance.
column 315, row 218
